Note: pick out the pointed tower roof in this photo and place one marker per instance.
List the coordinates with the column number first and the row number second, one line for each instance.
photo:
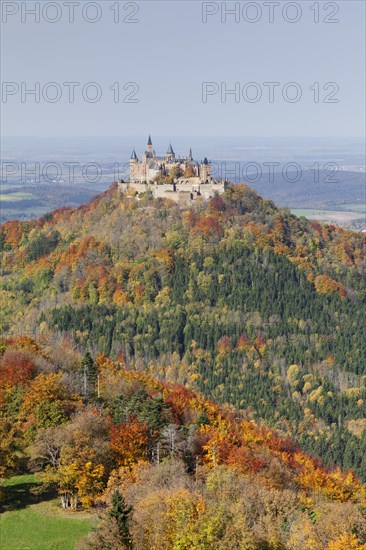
column 170, row 150
column 190, row 157
column 149, row 142
column 133, row 155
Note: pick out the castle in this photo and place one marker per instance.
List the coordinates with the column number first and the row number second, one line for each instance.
column 181, row 179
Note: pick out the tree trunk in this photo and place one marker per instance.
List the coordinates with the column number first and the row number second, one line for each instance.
column 65, row 499
column 74, row 501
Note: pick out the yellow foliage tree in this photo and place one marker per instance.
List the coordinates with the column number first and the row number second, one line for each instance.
column 346, row 541
column 90, row 484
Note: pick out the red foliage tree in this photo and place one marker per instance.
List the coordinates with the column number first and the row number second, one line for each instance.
column 209, row 226
column 15, row 368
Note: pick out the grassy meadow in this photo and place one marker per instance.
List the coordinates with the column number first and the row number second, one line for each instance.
column 341, row 217
column 28, row 522
column 17, row 196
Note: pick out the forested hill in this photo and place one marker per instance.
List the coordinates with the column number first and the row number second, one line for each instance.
column 234, row 297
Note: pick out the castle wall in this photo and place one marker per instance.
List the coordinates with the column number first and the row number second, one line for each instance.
column 184, row 193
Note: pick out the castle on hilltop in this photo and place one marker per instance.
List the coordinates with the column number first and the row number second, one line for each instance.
column 151, row 167
column 181, row 179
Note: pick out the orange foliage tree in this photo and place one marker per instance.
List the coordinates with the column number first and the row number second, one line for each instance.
column 325, row 284
column 129, row 441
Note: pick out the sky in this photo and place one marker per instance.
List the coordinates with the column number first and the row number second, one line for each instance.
column 174, row 63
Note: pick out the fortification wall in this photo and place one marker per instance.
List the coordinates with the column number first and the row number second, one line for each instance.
column 181, row 193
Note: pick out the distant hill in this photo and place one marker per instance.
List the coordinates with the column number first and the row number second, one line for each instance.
column 236, row 298
column 328, row 191
column 24, row 202
column 338, row 197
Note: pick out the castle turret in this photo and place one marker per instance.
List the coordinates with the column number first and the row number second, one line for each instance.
column 205, row 170
column 149, row 147
column 190, row 157
column 133, row 165
column 170, row 155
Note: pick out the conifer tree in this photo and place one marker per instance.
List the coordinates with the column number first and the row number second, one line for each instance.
column 89, row 375
column 121, row 513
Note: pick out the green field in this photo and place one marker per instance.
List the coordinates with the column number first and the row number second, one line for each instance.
column 307, row 212
column 340, row 217
column 357, row 207
column 30, row 525
column 18, row 196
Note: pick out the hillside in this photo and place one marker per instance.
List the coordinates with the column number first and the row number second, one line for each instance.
column 234, row 298
column 172, row 469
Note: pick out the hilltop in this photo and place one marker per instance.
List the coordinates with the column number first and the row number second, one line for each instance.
column 232, row 297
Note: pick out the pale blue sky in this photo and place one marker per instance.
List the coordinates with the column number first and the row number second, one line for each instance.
column 169, row 53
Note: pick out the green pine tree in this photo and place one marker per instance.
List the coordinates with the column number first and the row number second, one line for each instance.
column 88, row 375
column 121, row 513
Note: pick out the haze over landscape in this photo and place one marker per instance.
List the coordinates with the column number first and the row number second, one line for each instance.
column 326, row 178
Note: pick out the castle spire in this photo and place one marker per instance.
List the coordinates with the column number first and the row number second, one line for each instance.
column 190, row 157
column 170, row 155
column 149, row 147
column 133, row 155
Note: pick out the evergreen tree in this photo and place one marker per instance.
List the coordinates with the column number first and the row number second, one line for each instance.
column 121, row 513
column 89, row 376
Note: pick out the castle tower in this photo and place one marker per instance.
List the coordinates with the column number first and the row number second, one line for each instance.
column 205, row 170
column 149, row 147
column 170, row 155
column 190, row 157
column 133, row 166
